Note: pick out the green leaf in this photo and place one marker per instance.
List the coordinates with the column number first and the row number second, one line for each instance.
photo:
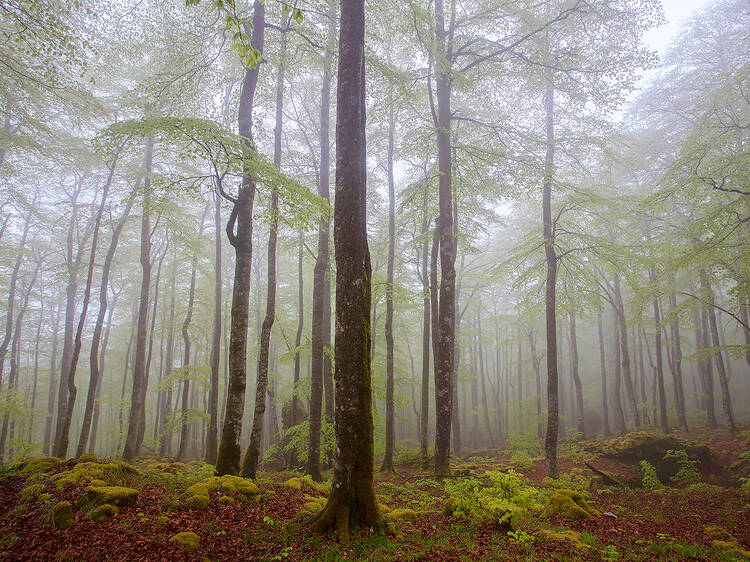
column 297, row 15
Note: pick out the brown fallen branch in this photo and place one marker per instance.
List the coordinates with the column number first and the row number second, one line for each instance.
column 606, row 477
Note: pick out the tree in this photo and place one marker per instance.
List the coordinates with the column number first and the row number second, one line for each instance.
column 352, row 499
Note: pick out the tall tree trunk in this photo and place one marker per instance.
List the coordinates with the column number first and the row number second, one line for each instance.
column 96, row 337
column 102, row 355
column 213, row 397
column 321, row 308
column 726, row 400
column 14, row 356
column 165, row 439
column 662, row 397
column 679, row 389
column 182, row 451
column 63, row 436
column 298, row 341
column 625, row 353
column 140, row 376
column 390, row 415
column 574, row 372
column 483, row 376
column 36, row 368
column 538, row 380
column 241, row 239
column 603, row 369
column 425, row 398
column 707, row 379
column 620, row 426
column 446, row 318
column 252, row 456
column 352, row 500
column 550, row 442
column 47, row 445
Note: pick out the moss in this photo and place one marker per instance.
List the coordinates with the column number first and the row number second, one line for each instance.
column 313, row 505
column 104, row 513
column 403, row 515
column 116, row 495
column 88, row 457
column 198, row 495
column 452, row 504
column 226, row 499
column 306, row 484
column 569, row 504
column 162, row 520
column 718, row 533
column 723, row 540
column 62, row 515
column 198, row 502
column 230, row 484
column 44, row 497
column 97, row 482
column 570, row 537
column 30, row 492
column 38, row 464
column 187, row 539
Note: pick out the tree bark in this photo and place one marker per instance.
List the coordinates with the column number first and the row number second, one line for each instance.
column 603, row 369
column 625, row 353
column 426, row 306
column 47, row 446
column 726, row 399
column 241, row 218
column 321, row 308
column 140, row 376
column 679, row 389
column 620, row 426
column 165, row 439
column 550, row 442
column 662, row 397
column 252, row 456
column 574, row 372
column 98, row 327
column 390, row 428
column 352, row 500
column 212, row 435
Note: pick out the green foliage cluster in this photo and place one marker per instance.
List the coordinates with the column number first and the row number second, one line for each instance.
column 650, row 478
column 687, row 470
column 505, row 495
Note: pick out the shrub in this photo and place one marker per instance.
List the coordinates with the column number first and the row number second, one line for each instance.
column 687, row 470
column 650, row 478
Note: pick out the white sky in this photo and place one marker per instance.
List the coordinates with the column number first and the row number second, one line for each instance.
column 676, row 13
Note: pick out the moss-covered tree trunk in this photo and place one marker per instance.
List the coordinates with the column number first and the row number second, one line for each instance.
column 182, row 450
column 352, row 500
column 240, row 234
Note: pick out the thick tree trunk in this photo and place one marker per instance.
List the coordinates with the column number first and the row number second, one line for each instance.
column 550, row 442
column 603, row 369
column 98, row 327
column 726, row 399
column 352, row 500
column 241, row 238
column 705, row 365
column 140, row 376
column 321, row 307
column 390, row 415
column 252, row 456
column 625, row 353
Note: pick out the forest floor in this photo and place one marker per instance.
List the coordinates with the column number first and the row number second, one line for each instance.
column 493, row 508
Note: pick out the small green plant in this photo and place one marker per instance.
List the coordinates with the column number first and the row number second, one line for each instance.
column 687, row 470
column 521, row 539
column 745, row 484
column 610, row 553
column 650, row 478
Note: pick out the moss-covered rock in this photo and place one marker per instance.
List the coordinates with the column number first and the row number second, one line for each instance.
column 306, row 484
column 162, row 520
column 44, row 498
column 569, row 537
column 38, row 464
column 568, row 504
column 97, row 482
column 403, row 514
column 104, row 513
column 313, row 505
column 723, row 540
column 198, row 501
column 61, row 515
column 198, row 495
column 452, row 505
column 226, row 499
column 30, row 492
column 88, row 457
column 187, row 539
column 115, row 495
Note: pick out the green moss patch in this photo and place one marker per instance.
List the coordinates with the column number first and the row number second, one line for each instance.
column 568, row 504
column 115, row 495
column 104, row 513
column 187, row 539
column 61, row 515
column 38, row 464
column 306, row 484
column 198, row 495
column 569, row 537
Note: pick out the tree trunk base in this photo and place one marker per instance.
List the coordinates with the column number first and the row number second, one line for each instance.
column 337, row 516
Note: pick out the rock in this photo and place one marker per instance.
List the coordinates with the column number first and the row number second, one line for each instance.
column 187, row 539
column 62, row 515
column 38, row 464
column 115, row 495
column 306, row 484
column 569, row 504
column 104, row 513
column 569, row 537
